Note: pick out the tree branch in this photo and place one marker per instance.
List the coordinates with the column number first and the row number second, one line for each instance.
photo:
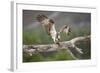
column 68, row 45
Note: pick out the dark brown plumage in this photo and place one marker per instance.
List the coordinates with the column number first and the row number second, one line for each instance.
column 41, row 17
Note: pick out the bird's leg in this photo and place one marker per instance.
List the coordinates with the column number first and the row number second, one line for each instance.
column 58, row 43
column 55, row 39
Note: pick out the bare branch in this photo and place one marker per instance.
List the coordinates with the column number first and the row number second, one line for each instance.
column 68, row 45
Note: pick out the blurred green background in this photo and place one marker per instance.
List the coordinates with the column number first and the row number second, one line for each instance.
column 33, row 33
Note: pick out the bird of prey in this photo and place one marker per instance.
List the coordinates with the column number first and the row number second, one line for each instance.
column 49, row 26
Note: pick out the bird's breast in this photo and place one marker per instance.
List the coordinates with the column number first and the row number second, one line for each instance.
column 53, row 30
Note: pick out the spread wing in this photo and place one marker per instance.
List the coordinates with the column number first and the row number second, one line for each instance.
column 66, row 29
column 51, row 21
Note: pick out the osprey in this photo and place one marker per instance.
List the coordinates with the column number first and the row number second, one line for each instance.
column 49, row 26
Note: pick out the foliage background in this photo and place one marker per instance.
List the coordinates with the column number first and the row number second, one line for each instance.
column 33, row 33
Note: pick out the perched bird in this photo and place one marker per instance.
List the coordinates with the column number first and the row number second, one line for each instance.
column 49, row 26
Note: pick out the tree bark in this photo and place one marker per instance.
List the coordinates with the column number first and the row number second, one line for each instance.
column 70, row 46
